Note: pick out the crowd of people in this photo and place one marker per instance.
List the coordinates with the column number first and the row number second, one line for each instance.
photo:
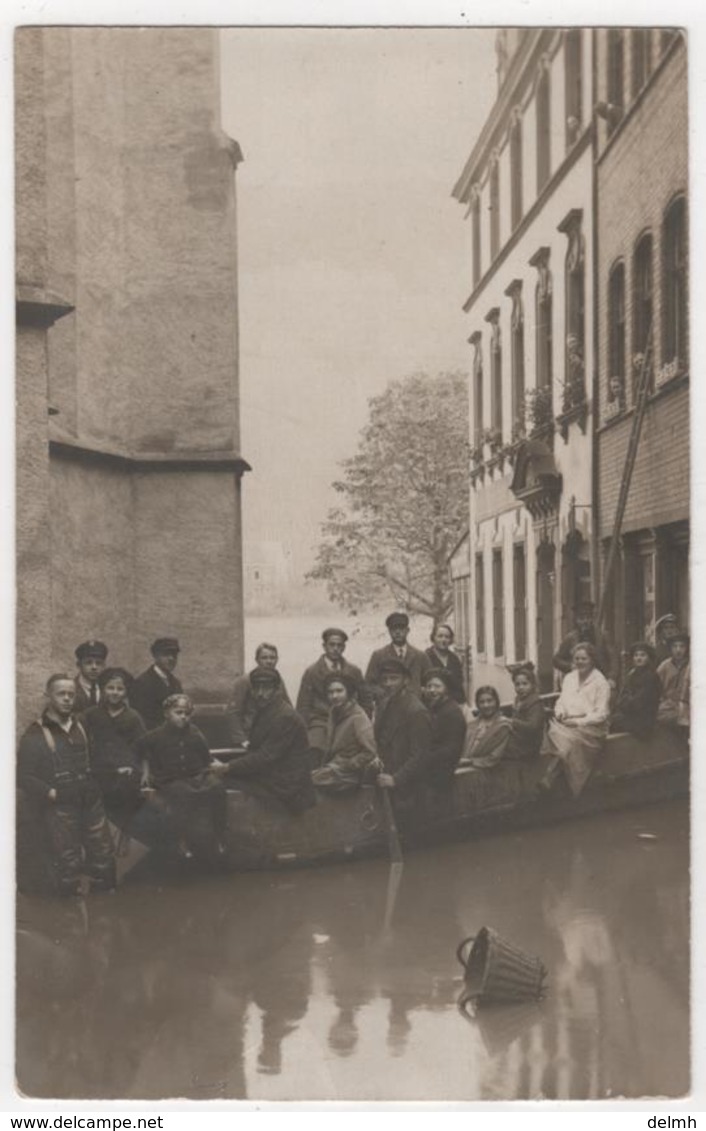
column 105, row 738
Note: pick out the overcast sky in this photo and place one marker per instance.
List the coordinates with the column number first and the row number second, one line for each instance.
column 352, row 254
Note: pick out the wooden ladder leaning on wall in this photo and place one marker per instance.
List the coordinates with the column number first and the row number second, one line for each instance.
column 641, row 394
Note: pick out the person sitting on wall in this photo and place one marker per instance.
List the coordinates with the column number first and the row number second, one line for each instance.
column 636, row 709
column 584, row 632
column 312, row 702
column 187, row 779
column 488, row 735
column 114, row 730
column 276, row 765
column 403, row 728
column 242, row 707
column 416, row 662
column 90, row 660
column 528, row 719
column 441, row 655
column 675, row 676
column 157, row 683
column 54, row 772
column 576, row 735
column 665, row 628
column 350, row 740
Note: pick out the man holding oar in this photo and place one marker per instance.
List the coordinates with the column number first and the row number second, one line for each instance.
column 402, row 729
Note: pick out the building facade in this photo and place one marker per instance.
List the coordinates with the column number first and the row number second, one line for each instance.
column 129, row 467
column 642, row 288
column 527, row 188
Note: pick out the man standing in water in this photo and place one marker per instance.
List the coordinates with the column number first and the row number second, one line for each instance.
column 416, row 662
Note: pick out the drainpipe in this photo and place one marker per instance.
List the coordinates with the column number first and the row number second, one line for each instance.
column 595, row 479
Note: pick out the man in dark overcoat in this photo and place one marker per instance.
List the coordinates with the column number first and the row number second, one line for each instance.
column 157, row 683
column 277, row 762
column 90, row 661
column 415, row 661
column 403, row 731
column 312, row 701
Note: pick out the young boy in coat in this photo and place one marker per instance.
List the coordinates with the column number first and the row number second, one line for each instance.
column 114, row 730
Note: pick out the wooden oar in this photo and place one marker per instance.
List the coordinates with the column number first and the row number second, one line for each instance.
column 393, row 837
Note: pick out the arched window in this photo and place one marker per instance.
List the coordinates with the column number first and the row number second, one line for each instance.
column 616, row 334
column 616, row 96
column 542, row 101
column 494, row 208
column 641, row 49
column 475, row 340
column 641, row 303
column 475, row 235
column 675, row 295
column 516, row 170
column 573, row 85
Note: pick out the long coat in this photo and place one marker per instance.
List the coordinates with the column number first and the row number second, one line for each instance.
column 638, row 702
column 416, row 662
column 403, row 734
column 312, row 703
column 453, row 666
column 147, row 694
column 278, row 759
column 113, row 741
column 448, row 735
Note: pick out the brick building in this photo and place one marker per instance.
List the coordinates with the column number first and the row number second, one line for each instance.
column 642, row 289
column 128, row 447
column 527, row 192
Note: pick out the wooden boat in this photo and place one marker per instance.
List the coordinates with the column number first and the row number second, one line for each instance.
column 631, row 772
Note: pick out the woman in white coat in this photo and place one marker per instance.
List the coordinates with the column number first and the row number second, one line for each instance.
column 577, row 733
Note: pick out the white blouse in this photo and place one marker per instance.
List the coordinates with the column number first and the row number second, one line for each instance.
column 590, row 698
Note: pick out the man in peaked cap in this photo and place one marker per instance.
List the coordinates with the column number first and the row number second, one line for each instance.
column 90, row 660
column 416, row 662
column 312, row 701
column 154, row 685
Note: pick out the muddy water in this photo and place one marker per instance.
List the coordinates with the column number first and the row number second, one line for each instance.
column 294, row 986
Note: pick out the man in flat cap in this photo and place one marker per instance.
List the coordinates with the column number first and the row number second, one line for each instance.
column 90, row 660
column 312, row 701
column 403, row 730
column 241, row 708
column 416, row 662
column 150, row 689
column 276, row 765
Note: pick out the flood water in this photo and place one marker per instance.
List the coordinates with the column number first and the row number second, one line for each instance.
column 329, row 984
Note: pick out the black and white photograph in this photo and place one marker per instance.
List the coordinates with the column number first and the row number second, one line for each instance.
column 352, row 563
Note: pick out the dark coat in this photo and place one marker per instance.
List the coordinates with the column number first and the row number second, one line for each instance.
column 39, row 769
column 403, row 734
column 173, row 754
column 278, row 759
column 312, row 703
column 82, row 701
column 448, row 735
column 604, row 660
column 455, row 669
column 526, row 728
column 416, row 662
column 147, row 694
column 638, row 702
column 242, row 709
column 113, row 739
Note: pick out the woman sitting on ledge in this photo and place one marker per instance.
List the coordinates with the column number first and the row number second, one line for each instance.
column 577, row 733
column 488, row 735
column 528, row 719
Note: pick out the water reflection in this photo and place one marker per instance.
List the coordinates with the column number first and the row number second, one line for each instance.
column 303, row 985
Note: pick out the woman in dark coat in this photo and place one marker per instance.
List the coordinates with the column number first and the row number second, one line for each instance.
column 638, row 702
column 442, row 657
column 448, row 728
column 528, row 720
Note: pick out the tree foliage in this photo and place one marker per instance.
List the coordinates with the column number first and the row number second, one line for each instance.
column 404, row 500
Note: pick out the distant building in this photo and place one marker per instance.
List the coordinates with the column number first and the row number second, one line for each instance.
column 128, row 448
column 527, row 190
column 643, row 289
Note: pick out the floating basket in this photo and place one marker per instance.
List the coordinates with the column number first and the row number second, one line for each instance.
column 496, row 971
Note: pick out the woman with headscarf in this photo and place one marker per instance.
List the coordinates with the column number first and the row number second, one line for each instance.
column 487, row 736
column 350, row 741
column 528, row 718
column 441, row 656
column 577, row 733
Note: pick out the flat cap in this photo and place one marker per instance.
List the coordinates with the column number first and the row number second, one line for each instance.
column 393, row 665
column 397, row 620
column 91, row 648
column 334, row 632
column 165, row 644
column 265, row 677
